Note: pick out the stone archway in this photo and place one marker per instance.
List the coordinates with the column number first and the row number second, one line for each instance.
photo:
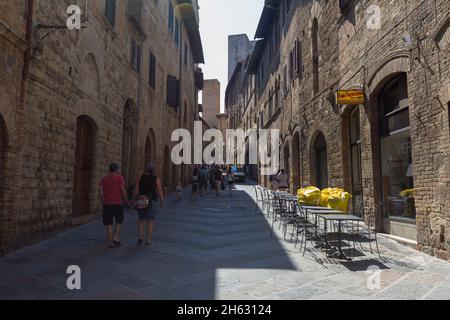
column 319, row 161
column 84, row 185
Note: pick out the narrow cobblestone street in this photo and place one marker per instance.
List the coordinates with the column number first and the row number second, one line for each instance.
column 213, row 249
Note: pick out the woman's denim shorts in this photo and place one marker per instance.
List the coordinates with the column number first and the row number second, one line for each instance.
column 147, row 214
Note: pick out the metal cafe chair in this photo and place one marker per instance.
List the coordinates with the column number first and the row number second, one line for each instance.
column 303, row 228
column 278, row 207
column 269, row 194
column 259, row 200
column 266, row 201
column 289, row 216
column 366, row 232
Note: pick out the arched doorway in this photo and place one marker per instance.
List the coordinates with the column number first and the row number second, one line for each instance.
column 354, row 133
column 286, row 156
column 296, row 161
column 319, row 163
column 128, row 143
column 395, row 149
column 83, row 181
column 166, row 169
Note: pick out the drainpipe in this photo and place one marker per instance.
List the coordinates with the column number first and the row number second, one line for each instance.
column 28, row 52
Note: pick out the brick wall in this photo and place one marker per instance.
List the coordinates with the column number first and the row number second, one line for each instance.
column 353, row 56
column 82, row 73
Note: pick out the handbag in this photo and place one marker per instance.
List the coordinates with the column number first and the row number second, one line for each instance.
column 142, row 203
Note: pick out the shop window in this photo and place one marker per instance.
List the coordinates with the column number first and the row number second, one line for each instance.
column 396, row 156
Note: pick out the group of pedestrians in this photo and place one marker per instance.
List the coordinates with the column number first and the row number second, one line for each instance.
column 208, row 179
column 148, row 189
column 113, row 195
column 280, row 181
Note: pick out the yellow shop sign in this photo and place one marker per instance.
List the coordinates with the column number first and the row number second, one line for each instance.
column 350, row 97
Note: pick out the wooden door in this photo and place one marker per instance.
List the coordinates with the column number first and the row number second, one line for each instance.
column 82, row 168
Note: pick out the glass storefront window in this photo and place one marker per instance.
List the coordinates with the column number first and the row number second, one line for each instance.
column 396, row 157
column 397, row 176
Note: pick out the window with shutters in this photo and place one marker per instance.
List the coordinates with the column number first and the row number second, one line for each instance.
column 177, row 32
column 152, row 71
column 136, row 56
column 315, row 55
column 298, row 59
column 171, row 17
column 291, row 66
column 172, row 91
column 110, row 11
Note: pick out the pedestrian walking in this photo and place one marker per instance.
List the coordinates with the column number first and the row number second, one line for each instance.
column 204, row 179
column 212, row 180
column 230, row 180
column 282, row 180
column 112, row 194
column 195, row 182
column 179, row 191
column 148, row 188
column 218, row 180
column 274, row 181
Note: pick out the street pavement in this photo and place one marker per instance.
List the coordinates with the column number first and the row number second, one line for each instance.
column 214, row 248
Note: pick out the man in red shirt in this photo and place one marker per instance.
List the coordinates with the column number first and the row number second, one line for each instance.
column 112, row 193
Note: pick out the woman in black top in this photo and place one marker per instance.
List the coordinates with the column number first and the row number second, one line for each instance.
column 147, row 188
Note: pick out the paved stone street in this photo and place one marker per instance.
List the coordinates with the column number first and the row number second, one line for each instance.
column 213, row 249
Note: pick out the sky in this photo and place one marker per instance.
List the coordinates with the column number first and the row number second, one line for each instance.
column 218, row 19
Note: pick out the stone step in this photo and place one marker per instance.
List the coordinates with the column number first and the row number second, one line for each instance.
column 404, row 241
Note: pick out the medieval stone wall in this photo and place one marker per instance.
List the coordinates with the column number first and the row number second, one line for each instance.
column 86, row 73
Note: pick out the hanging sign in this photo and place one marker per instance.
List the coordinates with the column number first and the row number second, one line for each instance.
column 350, row 97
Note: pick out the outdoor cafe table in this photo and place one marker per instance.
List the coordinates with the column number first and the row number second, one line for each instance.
column 316, row 211
column 339, row 218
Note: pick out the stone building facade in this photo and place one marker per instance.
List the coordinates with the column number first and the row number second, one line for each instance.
column 73, row 101
column 239, row 48
column 211, row 102
column 398, row 140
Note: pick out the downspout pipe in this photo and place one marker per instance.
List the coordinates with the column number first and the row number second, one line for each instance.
column 28, row 52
